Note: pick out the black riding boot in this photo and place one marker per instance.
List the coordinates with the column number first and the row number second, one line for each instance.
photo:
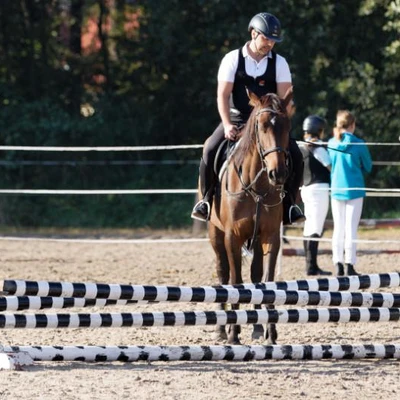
column 339, row 269
column 311, row 253
column 292, row 212
column 351, row 270
column 202, row 209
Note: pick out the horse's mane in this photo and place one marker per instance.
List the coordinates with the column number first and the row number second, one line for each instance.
column 248, row 141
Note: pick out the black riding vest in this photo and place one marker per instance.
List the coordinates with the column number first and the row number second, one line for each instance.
column 239, row 100
column 314, row 171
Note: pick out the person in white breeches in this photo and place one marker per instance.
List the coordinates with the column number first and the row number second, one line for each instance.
column 315, row 189
column 315, row 198
column 350, row 160
column 347, row 215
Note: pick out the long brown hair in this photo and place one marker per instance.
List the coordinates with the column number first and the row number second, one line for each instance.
column 344, row 119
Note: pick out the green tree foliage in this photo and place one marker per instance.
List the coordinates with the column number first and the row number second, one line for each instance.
column 148, row 77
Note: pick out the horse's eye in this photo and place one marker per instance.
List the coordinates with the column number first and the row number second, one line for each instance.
column 267, row 123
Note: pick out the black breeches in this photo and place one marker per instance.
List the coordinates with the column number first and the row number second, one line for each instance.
column 295, row 178
column 211, row 148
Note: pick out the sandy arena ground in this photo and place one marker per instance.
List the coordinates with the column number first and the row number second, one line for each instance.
column 189, row 264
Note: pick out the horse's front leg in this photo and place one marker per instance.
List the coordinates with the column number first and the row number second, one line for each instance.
column 222, row 267
column 269, row 275
column 256, row 273
column 233, row 245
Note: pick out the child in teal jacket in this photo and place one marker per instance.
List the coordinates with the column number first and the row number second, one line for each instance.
column 350, row 161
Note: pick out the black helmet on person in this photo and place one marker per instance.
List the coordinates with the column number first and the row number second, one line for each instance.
column 314, row 124
column 268, row 25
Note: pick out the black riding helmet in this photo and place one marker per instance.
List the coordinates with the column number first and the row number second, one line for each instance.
column 314, row 125
column 268, row 25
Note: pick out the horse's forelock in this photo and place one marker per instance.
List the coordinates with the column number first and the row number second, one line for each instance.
column 270, row 100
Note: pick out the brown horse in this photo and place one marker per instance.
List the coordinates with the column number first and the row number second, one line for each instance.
column 248, row 206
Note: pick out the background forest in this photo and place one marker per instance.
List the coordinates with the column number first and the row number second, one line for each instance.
column 129, row 73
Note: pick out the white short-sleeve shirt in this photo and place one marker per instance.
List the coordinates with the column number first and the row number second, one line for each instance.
column 230, row 62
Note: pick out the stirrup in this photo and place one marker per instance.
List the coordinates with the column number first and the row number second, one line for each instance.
column 200, row 216
column 297, row 210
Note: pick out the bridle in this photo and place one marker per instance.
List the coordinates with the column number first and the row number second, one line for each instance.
column 249, row 189
column 263, row 153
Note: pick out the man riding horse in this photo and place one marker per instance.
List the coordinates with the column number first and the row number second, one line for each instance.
column 257, row 68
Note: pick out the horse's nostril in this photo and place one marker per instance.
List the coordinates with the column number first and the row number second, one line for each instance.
column 277, row 177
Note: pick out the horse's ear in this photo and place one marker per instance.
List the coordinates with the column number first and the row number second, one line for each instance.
column 254, row 99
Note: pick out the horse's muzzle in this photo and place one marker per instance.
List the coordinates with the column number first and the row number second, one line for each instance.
column 278, row 176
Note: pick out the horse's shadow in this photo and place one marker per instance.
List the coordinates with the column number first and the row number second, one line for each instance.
column 311, row 367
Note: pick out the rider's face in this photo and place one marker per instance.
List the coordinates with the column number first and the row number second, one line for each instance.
column 263, row 44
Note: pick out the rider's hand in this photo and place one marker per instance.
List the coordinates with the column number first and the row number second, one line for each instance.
column 231, row 132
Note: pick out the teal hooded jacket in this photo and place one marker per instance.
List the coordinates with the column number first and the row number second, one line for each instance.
column 349, row 165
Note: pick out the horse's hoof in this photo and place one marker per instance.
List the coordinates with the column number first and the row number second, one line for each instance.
column 271, row 336
column 220, row 336
column 270, row 341
column 258, row 333
column 233, row 341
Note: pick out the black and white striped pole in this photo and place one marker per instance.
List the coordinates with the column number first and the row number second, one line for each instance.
column 27, row 355
column 192, row 318
column 233, row 296
column 195, row 294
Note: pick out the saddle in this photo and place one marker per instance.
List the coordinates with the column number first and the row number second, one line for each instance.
column 225, row 151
